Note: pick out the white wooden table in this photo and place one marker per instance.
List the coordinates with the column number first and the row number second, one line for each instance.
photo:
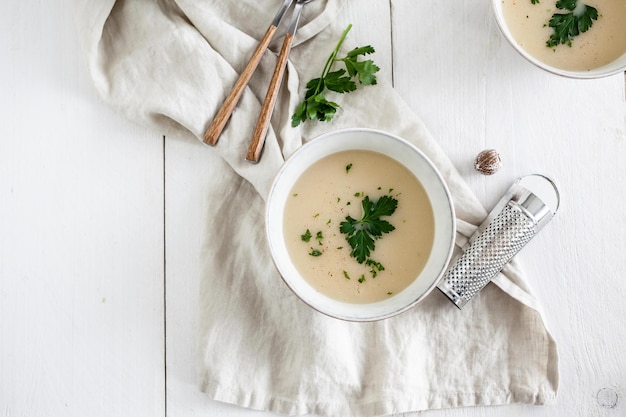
column 98, row 238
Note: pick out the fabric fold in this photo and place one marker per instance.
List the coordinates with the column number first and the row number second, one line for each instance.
column 169, row 64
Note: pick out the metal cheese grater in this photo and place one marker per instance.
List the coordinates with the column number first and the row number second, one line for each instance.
column 520, row 214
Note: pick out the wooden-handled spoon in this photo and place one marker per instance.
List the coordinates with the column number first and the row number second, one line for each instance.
column 260, row 131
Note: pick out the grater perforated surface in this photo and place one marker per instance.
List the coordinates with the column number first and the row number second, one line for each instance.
column 506, row 235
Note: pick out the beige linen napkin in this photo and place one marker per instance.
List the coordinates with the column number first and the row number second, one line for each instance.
column 169, row 64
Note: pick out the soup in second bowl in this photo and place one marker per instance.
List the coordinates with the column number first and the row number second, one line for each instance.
column 602, row 43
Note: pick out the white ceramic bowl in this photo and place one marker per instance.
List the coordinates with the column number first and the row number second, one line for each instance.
column 416, row 162
column 615, row 67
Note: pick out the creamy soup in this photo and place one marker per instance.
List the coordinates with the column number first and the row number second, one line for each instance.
column 603, row 43
column 333, row 189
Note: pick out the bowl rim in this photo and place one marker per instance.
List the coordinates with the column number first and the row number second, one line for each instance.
column 601, row 72
column 446, row 220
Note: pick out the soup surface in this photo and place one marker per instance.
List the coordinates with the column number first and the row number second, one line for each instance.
column 601, row 44
column 333, row 189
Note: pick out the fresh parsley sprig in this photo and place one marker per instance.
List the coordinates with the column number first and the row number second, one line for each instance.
column 568, row 25
column 361, row 234
column 315, row 104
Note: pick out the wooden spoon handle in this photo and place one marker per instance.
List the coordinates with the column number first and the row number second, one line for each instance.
column 260, row 131
column 221, row 118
